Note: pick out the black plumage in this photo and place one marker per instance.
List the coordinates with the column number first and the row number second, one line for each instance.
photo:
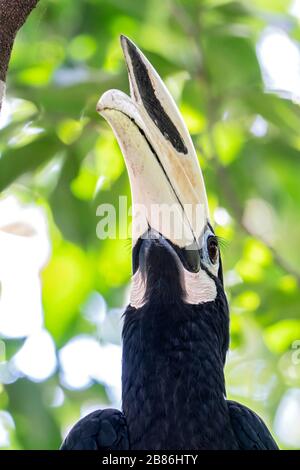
column 173, row 379
column 100, row 430
column 250, row 430
column 175, row 340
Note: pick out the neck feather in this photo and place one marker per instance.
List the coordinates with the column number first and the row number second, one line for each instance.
column 173, row 382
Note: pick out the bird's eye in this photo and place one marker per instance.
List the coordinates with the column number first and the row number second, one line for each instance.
column 213, row 250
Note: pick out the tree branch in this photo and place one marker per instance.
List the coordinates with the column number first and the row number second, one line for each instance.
column 237, row 209
column 13, row 14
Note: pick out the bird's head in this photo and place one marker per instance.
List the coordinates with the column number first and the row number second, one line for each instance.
column 175, row 251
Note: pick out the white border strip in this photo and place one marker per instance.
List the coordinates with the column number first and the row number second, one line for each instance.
column 199, row 288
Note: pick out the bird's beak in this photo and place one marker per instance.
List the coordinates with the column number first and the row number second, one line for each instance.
column 168, row 191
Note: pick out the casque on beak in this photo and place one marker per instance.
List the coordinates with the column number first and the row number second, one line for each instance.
column 168, row 192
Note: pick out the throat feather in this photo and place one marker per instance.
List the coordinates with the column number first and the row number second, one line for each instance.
column 172, row 379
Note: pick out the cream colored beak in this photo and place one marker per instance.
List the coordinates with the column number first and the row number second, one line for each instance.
column 168, row 191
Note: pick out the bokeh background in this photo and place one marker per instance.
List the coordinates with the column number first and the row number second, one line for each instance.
column 234, row 69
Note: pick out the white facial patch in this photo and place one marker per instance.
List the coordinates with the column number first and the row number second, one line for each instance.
column 138, row 290
column 199, row 288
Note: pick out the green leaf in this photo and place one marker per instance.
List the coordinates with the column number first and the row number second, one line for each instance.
column 232, row 63
column 67, row 280
column 15, row 162
column 280, row 336
column 12, row 346
column 35, row 426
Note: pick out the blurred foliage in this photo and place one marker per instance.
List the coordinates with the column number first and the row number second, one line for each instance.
column 56, row 153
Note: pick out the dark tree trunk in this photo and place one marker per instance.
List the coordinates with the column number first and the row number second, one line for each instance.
column 13, row 14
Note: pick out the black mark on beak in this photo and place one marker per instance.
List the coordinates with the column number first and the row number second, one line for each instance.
column 151, row 102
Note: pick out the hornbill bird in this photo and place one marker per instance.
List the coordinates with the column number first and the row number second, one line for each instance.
column 176, row 327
